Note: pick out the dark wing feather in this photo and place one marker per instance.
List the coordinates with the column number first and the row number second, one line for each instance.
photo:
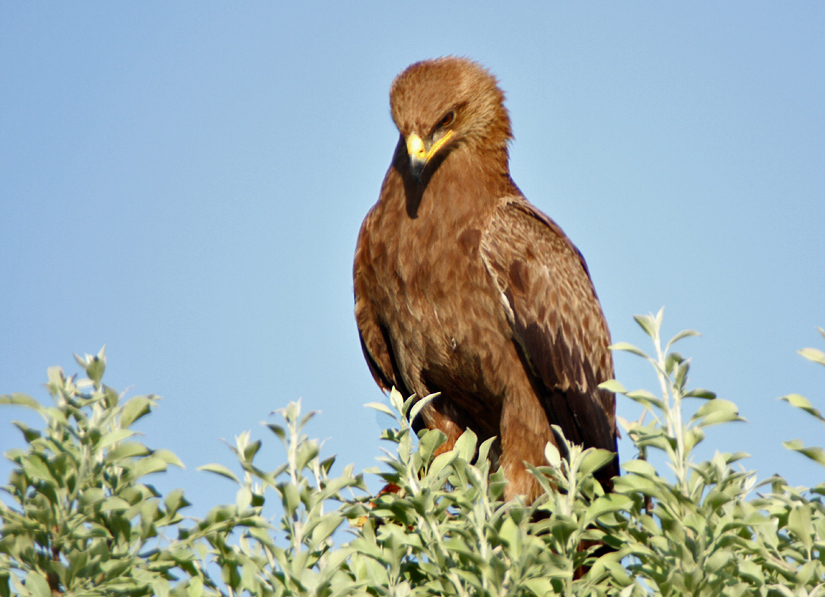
column 373, row 336
column 556, row 320
column 373, row 333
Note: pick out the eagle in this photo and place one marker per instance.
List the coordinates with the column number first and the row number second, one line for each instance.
column 465, row 289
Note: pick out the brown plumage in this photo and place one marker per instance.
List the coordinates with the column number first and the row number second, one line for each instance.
column 463, row 287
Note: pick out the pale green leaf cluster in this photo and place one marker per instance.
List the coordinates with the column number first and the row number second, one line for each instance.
column 80, row 518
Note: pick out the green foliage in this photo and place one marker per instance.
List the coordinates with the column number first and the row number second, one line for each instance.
column 84, row 521
column 445, row 531
column 84, row 518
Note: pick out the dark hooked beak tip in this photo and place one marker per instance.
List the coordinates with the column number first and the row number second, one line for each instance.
column 417, row 169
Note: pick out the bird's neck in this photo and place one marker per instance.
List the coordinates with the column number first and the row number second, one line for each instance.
column 472, row 181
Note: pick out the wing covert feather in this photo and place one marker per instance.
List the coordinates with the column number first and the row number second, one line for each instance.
column 556, row 319
column 374, row 337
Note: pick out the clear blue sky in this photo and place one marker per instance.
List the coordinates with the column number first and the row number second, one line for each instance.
column 184, row 182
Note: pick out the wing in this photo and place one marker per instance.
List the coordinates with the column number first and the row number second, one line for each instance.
column 556, row 320
column 375, row 341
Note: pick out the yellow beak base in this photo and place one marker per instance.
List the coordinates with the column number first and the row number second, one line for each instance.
column 420, row 155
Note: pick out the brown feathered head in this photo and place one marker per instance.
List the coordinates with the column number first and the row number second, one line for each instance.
column 441, row 104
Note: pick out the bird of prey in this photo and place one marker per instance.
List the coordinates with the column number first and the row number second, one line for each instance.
column 463, row 287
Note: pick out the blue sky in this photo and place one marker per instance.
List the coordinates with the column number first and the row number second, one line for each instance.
column 185, row 182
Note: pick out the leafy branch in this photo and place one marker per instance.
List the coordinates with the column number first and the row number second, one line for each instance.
column 82, row 519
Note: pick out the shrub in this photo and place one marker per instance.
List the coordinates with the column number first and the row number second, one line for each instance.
column 82, row 519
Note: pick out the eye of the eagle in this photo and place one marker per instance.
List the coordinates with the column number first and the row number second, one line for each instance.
column 447, row 120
